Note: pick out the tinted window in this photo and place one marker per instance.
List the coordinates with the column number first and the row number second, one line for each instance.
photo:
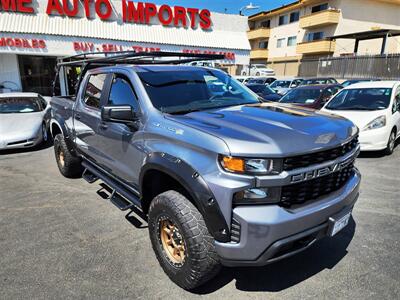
column 182, row 91
column 280, row 84
column 121, row 93
column 263, row 45
column 283, row 20
column 20, row 105
column 263, row 90
column 361, row 99
column 294, row 16
column 320, row 7
column 93, row 91
column 266, row 24
column 304, row 96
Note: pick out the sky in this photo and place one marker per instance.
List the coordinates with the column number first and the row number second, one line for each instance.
column 228, row 6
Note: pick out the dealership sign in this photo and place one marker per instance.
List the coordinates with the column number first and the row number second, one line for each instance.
column 132, row 12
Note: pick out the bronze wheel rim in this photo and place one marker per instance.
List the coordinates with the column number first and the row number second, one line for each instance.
column 172, row 241
column 61, row 158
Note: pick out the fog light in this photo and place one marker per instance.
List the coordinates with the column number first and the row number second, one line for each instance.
column 257, row 196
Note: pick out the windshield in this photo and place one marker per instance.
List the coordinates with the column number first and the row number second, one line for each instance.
column 20, row 105
column 361, row 99
column 315, row 81
column 280, row 84
column 192, row 90
column 258, row 66
column 256, row 81
column 304, row 96
column 261, row 89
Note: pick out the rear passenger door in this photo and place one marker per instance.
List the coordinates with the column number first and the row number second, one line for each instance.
column 87, row 115
column 120, row 144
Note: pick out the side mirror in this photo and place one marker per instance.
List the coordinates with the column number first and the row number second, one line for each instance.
column 119, row 114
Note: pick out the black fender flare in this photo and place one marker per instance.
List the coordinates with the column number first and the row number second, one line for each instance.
column 191, row 180
column 60, row 123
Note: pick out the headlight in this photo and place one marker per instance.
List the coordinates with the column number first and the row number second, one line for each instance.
column 377, row 123
column 250, row 166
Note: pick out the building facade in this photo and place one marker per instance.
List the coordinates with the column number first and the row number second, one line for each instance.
column 34, row 33
column 284, row 36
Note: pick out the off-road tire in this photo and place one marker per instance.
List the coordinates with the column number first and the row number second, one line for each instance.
column 391, row 143
column 201, row 261
column 70, row 166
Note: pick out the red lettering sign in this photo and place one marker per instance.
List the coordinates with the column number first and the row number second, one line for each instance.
column 21, row 6
column 22, row 43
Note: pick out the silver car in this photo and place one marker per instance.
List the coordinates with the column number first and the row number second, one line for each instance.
column 24, row 120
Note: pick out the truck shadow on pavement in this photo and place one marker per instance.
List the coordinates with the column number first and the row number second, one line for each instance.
column 324, row 254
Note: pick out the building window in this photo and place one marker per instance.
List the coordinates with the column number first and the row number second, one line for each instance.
column 315, row 36
column 280, row 43
column 292, row 41
column 294, row 16
column 283, row 20
column 263, row 45
column 266, row 24
column 37, row 73
column 320, row 7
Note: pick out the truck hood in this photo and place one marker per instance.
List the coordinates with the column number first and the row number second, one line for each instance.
column 271, row 129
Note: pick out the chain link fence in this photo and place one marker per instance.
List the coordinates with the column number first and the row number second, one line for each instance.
column 368, row 66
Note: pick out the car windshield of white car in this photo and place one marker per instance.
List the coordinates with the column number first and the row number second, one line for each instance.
column 20, row 105
column 361, row 99
column 280, row 84
column 304, row 96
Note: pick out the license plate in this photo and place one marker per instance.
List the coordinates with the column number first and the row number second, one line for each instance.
column 339, row 223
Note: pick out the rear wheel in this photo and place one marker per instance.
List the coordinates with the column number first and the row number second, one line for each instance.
column 181, row 241
column 391, row 143
column 68, row 164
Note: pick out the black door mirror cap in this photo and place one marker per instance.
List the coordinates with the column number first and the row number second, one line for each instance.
column 119, row 114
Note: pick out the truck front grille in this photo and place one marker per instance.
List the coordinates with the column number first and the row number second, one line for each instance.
column 310, row 190
column 301, row 161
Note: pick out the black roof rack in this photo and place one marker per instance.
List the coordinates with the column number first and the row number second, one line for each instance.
column 92, row 60
column 133, row 57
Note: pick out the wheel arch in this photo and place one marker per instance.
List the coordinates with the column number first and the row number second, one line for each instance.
column 189, row 182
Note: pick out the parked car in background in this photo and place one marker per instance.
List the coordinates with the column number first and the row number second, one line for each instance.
column 375, row 108
column 264, row 91
column 262, row 80
column 258, row 70
column 282, row 86
column 319, row 80
column 24, row 120
column 353, row 81
column 313, row 96
column 243, row 79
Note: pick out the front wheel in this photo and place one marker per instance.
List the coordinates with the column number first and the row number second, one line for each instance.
column 68, row 164
column 181, row 241
column 391, row 143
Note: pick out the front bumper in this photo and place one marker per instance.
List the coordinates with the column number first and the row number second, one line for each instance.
column 374, row 140
column 265, row 230
column 20, row 143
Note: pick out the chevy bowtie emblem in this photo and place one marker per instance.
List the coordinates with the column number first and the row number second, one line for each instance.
column 325, row 138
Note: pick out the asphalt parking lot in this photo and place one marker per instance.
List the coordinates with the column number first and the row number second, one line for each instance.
column 60, row 239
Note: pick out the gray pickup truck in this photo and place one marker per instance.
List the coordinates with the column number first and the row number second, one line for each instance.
column 223, row 178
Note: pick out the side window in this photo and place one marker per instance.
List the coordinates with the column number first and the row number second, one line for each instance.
column 93, row 90
column 396, row 103
column 121, row 93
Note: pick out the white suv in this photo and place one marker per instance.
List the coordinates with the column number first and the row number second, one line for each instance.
column 375, row 108
column 258, row 70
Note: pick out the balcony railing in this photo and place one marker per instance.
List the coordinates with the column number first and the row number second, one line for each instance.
column 316, row 47
column 258, row 33
column 259, row 54
column 322, row 18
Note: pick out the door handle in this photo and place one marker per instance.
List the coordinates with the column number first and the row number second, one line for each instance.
column 103, row 126
column 77, row 116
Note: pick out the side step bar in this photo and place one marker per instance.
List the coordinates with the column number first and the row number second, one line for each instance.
column 120, row 197
column 89, row 176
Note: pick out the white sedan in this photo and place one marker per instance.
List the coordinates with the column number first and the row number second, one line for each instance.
column 24, row 120
column 375, row 108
